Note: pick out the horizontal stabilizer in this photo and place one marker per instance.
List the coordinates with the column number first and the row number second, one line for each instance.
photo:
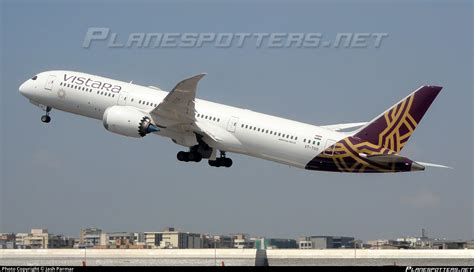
column 393, row 160
column 386, row 159
column 427, row 164
column 338, row 127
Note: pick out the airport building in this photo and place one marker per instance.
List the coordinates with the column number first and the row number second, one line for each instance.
column 241, row 240
column 388, row 244
column 7, row 240
column 323, row 242
column 89, row 237
column 217, row 241
column 116, row 239
column 37, row 238
column 40, row 238
column 138, row 238
column 171, row 238
column 275, row 243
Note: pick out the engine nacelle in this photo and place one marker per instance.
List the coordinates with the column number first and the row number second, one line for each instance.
column 128, row 121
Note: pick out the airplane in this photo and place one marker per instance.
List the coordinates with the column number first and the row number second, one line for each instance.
column 206, row 128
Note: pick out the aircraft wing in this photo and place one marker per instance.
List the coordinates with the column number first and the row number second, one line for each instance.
column 338, row 127
column 178, row 105
column 176, row 112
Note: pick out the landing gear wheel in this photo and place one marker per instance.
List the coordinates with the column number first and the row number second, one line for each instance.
column 197, row 157
column 227, row 162
column 194, row 156
column 45, row 119
column 189, row 156
column 213, row 163
column 181, row 156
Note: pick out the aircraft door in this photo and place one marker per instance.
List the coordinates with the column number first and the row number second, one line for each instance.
column 122, row 100
column 232, row 124
column 50, row 82
column 329, row 147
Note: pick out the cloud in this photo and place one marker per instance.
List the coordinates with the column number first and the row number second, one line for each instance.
column 422, row 200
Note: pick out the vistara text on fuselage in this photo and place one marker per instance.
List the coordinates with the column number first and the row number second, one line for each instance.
column 211, row 130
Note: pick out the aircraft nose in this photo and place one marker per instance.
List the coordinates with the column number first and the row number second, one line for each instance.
column 22, row 88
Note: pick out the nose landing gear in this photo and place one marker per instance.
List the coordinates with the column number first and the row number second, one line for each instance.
column 46, row 118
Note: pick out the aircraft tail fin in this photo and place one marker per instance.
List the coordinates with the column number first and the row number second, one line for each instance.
column 393, row 128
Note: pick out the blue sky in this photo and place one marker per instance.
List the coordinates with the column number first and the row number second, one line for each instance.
column 72, row 173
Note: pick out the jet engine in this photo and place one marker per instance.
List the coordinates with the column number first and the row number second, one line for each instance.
column 128, row 121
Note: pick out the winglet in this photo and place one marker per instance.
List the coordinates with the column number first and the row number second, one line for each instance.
column 189, row 84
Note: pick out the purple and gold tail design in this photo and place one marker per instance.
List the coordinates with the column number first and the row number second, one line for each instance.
column 393, row 128
column 375, row 147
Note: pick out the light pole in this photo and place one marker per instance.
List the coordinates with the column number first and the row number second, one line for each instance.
column 215, row 251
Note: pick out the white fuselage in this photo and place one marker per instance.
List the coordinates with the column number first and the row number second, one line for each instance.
column 244, row 131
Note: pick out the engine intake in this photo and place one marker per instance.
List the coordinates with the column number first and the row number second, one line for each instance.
column 128, row 121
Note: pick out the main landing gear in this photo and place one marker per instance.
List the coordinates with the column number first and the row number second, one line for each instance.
column 222, row 161
column 203, row 151
column 189, row 156
column 195, row 156
column 46, row 118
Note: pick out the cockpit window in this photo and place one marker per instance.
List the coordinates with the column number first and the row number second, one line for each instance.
column 34, row 78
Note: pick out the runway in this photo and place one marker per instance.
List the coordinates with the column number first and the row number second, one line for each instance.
column 234, row 257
